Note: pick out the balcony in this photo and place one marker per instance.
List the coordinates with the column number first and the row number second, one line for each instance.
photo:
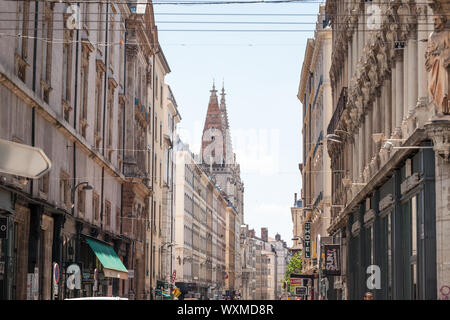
column 337, row 114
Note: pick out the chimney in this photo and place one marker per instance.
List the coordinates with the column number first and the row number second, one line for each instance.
column 264, row 234
column 295, row 199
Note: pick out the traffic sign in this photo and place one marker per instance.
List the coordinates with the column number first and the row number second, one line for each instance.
column 55, row 272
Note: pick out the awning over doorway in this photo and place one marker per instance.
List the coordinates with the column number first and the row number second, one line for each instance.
column 112, row 265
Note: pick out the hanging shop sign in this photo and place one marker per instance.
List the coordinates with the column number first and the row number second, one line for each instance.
column 174, row 276
column 3, row 228
column 307, row 240
column 332, row 259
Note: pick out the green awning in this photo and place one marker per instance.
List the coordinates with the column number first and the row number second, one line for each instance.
column 111, row 262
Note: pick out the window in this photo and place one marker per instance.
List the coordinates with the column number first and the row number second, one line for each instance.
column 160, row 134
column 96, row 207
column 98, row 108
column 64, row 189
column 47, row 33
column 23, row 20
column 100, row 27
column 67, row 72
column 107, row 213
column 154, row 128
column 118, row 220
column 119, row 132
column 155, row 169
column 84, row 91
column 81, row 201
column 159, row 219
column 110, row 122
column 413, row 248
column 86, row 15
column 44, row 184
column 112, row 45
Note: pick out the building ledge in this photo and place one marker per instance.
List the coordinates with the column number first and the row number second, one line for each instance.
column 414, row 139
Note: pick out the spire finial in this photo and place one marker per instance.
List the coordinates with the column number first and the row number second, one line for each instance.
column 213, row 91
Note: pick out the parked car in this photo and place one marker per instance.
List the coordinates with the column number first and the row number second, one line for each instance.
column 98, row 298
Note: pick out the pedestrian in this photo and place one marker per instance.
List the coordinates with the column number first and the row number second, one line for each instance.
column 368, row 296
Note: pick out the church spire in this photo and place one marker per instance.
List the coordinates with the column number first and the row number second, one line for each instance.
column 213, row 122
column 222, row 98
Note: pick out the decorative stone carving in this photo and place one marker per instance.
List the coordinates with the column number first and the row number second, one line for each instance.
column 369, row 217
column 439, row 131
column 385, row 202
column 437, row 64
column 409, row 183
column 356, row 227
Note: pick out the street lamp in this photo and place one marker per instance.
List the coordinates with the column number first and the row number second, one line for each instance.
column 380, row 137
column 86, row 186
column 333, row 137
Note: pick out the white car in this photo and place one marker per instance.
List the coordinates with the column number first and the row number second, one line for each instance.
column 98, row 298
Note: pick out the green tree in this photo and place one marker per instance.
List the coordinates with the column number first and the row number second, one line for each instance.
column 294, row 266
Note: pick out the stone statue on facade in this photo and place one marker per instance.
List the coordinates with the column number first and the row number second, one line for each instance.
column 437, row 64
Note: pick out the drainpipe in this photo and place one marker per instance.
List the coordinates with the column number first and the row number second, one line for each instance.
column 153, row 169
column 105, row 81
column 33, row 110
column 171, row 200
column 75, row 109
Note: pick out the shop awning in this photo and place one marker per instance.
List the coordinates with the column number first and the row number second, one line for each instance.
column 112, row 265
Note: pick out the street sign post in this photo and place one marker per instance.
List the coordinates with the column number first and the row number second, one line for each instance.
column 23, row 160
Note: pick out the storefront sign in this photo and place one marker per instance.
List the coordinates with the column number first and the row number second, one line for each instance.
column 74, row 278
column 55, row 282
column 95, row 279
column 174, row 275
column 33, row 285
column 307, row 240
column 3, row 228
column 301, row 291
column 332, row 260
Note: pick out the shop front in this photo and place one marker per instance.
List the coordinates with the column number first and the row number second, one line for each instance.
column 97, row 271
column 393, row 235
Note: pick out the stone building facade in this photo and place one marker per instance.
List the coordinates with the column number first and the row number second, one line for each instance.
column 389, row 147
column 172, row 118
column 316, row 97
column 200, row 231
column 77, row 82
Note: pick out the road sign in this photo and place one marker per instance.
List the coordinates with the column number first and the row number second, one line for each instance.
column 55, row 272
column 3, row 227
column 174, row 275
column 23, row 160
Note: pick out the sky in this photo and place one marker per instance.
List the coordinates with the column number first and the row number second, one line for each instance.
column 261, row 74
